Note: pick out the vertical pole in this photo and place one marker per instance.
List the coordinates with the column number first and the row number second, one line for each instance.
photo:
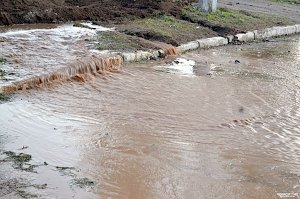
column 203, row 5
column 213, row 5
column 207, row 5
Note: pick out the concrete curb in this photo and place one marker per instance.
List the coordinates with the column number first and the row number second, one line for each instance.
column 193, row 45
column 212, row 42
column 276, row 31
column 246, row 37
column 140, row 55
column 249, row 36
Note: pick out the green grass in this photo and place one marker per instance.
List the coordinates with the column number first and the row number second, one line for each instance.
column 165, row 25
column 239, row 20
column 115, row 41
column 3, row 97
column 2, row 60
column 2, row 72
column 175, row 29
column 296, row 2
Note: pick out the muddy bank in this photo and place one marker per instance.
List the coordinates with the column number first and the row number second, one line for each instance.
column 48, row 11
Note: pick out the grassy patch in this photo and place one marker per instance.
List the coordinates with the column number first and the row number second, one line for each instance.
column 116, row 41
column 24, row 194
column 296, row 2
column 20, row 161
column 238, row 20
column 2, row 60
column 3, row 97
column 167, row 29
column 2, row 72
column 165, row 25
column 112, row 41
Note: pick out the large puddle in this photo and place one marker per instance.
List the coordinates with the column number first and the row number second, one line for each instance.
column 219, row 123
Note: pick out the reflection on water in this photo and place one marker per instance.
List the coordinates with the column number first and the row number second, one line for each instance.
column 179, row 66
column 268, row 51
column 151, row 133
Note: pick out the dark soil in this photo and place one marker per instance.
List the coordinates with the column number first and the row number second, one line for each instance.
column 151, row 35
column 117, row 41
column 166, row 29
column 49, row 11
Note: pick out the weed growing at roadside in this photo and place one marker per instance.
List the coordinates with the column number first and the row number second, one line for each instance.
column 3, row 97
column 235, row 19
column 2, row 60
column 2, row 72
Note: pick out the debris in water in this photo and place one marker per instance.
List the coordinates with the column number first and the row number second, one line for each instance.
column 20, row 161
column 3, row 97
column 2, row 60
column 237, row 62
column 83, row 182
column 25, row 194
column 2, row 72
column 24, row 147
column 241, row 109
column 64, row 168
column 20, row 158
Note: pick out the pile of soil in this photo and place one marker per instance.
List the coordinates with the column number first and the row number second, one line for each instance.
column 53, row 11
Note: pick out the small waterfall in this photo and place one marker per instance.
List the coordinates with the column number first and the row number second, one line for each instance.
column 92, row 65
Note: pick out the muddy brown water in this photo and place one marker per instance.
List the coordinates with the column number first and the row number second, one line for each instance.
column 202, row 126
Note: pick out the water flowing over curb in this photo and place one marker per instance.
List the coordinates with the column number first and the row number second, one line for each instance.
column 100, row 65
column 92, row 65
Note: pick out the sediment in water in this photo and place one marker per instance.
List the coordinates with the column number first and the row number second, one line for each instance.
column 171, row 51
column 92, row 65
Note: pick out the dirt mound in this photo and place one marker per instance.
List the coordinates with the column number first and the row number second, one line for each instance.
column 49, row 11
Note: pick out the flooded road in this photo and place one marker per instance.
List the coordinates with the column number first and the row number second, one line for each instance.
column 218, row 123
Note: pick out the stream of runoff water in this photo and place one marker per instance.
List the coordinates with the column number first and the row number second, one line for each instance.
column 217, row 123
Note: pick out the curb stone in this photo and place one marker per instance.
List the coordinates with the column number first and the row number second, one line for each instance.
column 212, row 42
column 245, row 37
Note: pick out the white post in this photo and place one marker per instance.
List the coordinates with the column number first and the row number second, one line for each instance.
column 208, row 5
column 213, row 5
column 203, row 5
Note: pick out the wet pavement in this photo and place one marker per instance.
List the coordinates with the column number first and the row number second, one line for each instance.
column 218, row 123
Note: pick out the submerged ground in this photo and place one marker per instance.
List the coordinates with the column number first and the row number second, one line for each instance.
column 218, row 123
